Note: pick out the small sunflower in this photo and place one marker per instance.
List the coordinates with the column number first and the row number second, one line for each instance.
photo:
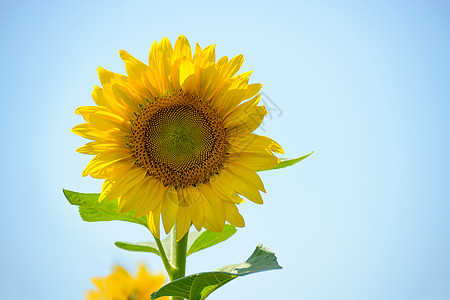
column 174, row 139
column 120, row 285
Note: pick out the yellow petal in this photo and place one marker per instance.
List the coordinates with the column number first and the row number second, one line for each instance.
column 154, row 220
column 182, row 49
column 104, row 159
column 250, row 142
column 115, row 169
column 224, row 191
column 101, row 146
column 108, row 78
column 141, row 90
column 128, row 98
column 214, row 211
column 164, row 56
column 143, row 79
column 255, row 161
column 183, row 221
column 197, row 53
column 147, row 283
column 252, row 90
column 233, row 216
column 209, row 80
column 139, row 197
column 104, row 98
column 134, row 67
column 166, row 47
column 175, row 74
column 247, row 176
column 105, row 120
column 107, row 184
column 169, row 208
column 187, row 76
column 152, row 60
column 101, row 98
column 153, row 195
column 196, row 198
column 207, row 57
column 123, row 184
column 221, row 65
column 239, row 185
column 160, row 63
column 130, row 199
column 234, row 93
column 86, row 131
column 245, row 120
column 83, row 110
column 234, row 65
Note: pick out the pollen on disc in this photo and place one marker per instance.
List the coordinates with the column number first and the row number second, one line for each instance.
column 179, row 139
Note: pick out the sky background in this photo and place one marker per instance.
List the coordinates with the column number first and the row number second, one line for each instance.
column 363, row 84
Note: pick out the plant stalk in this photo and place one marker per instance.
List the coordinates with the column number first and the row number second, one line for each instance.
column 178, row 258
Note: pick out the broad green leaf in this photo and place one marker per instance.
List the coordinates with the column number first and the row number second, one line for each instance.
column 139, row 247
column 199, row 286
column 93, row 211
column 208, row 239
column 287, row 162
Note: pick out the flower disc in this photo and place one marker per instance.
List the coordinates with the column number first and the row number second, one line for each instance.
column 179, row 140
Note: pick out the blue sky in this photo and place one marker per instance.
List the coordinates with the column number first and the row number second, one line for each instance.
column 365, row 84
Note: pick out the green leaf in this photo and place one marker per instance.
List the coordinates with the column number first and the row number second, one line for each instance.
column 193, row 237
column 199, row 286
column 93, row 211
column 287, row 162
column 197, row 241
column 208, row 239
column 139, row 247
column 151, row 247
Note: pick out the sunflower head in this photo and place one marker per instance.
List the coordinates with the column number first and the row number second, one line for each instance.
column 174, row 139
column 120, row 285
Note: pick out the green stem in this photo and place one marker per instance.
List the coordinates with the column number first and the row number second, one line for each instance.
column 169, row 268
column 179, row 250
column 181, row 256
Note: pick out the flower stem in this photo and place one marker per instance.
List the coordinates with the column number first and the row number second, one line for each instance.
column 180, row 260
column 179, row 250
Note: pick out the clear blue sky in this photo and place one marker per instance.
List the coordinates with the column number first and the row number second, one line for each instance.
column 365, row 84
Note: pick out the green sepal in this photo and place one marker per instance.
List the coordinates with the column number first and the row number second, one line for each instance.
column 287, row 162
column 93, row 211
column 201, row 285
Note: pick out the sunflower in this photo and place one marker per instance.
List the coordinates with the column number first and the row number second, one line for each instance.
column 174, row 139
column 120, row 285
